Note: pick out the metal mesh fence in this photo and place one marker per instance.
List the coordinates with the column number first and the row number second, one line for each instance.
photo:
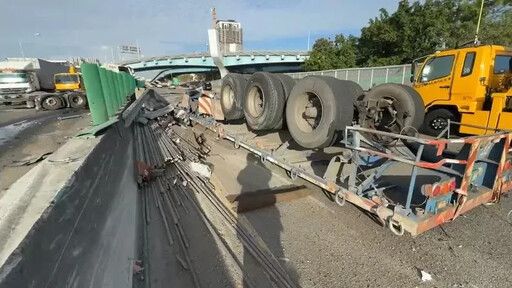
column 366, row 77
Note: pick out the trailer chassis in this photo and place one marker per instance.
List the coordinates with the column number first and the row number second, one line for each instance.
column 479, row 174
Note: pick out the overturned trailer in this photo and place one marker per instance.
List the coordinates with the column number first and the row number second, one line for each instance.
column 382, row 165
column 425, row 195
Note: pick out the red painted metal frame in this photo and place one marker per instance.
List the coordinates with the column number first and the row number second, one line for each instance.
column 417, row 225
column 413, row 224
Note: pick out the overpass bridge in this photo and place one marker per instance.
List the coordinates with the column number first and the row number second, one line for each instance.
column 241, row 62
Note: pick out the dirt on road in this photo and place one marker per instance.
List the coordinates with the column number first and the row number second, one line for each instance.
column 26, row 135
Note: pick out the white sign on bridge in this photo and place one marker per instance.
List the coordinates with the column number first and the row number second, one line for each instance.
column 129, row 49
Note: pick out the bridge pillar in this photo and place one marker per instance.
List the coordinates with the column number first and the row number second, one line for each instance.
column 213, row 43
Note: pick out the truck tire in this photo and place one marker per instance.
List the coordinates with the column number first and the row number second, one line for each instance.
column 406, row 102
column 318, row 110
column 264, row 101
column 52, row 103
column 77, row 100
column 287, row 82
column 232, row 95
column 356, row 88
column 436, row 121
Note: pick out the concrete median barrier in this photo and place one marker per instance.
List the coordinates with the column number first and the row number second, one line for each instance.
column 73, row 218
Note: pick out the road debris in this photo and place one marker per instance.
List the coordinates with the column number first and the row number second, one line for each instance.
column 425, row 276
column 158, row 113
column 187, row 173
column 30, row 160
column 69, row 117
column 201, row 169
column 137, row 267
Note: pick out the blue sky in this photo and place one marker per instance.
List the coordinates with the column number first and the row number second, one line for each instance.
column 60, row 29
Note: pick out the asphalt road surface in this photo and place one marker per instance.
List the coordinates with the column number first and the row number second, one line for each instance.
column 324, row 245
column 27, row 134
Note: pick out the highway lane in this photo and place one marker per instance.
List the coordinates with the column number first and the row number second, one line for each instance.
column 27, row 134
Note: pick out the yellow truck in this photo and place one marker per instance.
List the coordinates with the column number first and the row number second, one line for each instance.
column 68, row 81
column 471, row 85
column 69, row 92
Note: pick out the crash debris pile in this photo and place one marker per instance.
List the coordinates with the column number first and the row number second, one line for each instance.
column 172, row 170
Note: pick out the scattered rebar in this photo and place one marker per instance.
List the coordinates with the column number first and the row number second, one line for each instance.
column 159, row 148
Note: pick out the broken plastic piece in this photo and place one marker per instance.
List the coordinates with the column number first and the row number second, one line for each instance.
column 201, row 169
column 425, row 276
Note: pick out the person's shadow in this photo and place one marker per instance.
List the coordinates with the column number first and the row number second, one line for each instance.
column 254, row 180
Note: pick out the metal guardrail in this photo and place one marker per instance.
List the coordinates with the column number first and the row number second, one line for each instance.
column 366, row 77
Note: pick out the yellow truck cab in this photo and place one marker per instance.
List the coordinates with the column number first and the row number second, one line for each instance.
column 68, row 81
column 471, row 85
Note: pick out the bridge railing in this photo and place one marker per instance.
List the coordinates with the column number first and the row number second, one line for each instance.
column 366, row 77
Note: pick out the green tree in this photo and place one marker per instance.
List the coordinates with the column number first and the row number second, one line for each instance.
column 328, row 54
column 415, row 30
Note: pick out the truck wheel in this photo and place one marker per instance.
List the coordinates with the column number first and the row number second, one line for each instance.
column 318, row 110
column 404, row 108
column 264, row 101
column 437, row 120
column 52, row 103
column 356, row 88
column 77, row 100
column 232, row 95
column 7, row 103
column 287, row 82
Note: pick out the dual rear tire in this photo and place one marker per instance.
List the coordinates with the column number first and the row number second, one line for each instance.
column 259, row 98
column 264, row 101
column 232, row 96
column 52, row 102
column 319, row 109
column 77, row 100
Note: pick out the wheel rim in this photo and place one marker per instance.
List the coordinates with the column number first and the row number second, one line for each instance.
column 438, row 123
column 228, row 97
column 388, row 115
column 50, row 102
column 77, row 100
column 255, row 101
column 310, row 111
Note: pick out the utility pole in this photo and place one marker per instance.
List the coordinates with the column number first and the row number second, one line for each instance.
column 112, row 52
column 309, row 38
column 37, row 34
column 21, row 49
column 138, row 49
column 479, row 21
